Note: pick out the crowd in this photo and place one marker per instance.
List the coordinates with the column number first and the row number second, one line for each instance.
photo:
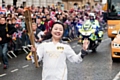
column 14, row 26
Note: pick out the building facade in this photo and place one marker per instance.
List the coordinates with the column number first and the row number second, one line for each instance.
column 0, row 2
column 30, row 2
column 66, row 4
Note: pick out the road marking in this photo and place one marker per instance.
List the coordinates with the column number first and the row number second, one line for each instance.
column 25, row 66
column 73, row 46
column 14, row 70
column 117, row 77
column 3, row 75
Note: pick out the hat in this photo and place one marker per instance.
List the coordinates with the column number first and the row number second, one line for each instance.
column 43, row 16
column 20, row 17
column 2, row 12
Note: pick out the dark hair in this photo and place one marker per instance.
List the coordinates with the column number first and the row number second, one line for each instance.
column 38, row 7
column 49, row 35
column 14, row 18
column 8, row 6
column 3, row 17
column 39, row 18
column 57, row 23
column 86, row 14
column 34, row 19
column 9, row 15
column 53, row 10
column 47, row 15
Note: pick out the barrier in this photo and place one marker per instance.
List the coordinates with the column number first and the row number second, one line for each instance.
column 70, row 33
column 8, row 53
column 22, row 40
column 18, row 43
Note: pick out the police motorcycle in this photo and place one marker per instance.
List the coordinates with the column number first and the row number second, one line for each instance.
column 88, row 34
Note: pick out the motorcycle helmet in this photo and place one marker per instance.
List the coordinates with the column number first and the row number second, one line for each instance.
column 92, row 16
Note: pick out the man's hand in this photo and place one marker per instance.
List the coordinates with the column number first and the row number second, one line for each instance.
column 33, row 49
column 0, row 39
column 36, row 40
column 40, row 40
column 8, row 35
column 85, row 47
column 85, row 44
column 45, row 31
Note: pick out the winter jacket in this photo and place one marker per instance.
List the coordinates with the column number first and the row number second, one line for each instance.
column 4, row 30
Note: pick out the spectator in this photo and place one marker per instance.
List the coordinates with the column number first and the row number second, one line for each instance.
column 48, row 23
column 40, row 25
column 5, row 32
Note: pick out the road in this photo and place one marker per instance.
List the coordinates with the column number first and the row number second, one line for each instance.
column 95, row 66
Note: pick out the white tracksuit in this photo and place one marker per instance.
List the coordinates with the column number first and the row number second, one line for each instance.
column 54, row 60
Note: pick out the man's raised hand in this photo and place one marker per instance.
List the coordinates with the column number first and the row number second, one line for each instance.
column 0, row 39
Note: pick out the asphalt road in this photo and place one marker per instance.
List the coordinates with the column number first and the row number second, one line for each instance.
column 95, row 66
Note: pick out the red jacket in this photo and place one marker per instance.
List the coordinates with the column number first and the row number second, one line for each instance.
column 48, row 25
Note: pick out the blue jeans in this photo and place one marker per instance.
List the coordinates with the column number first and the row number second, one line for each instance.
column 3, row 52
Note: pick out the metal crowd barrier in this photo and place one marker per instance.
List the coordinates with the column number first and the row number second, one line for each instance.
column 20, row 44
column 70, row 32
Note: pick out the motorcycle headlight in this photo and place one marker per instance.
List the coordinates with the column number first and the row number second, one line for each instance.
column 116, row 45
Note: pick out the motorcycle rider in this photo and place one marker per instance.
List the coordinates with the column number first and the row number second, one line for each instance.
column 93, row 24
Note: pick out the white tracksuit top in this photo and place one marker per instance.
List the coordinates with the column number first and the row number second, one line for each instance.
column 54, row 60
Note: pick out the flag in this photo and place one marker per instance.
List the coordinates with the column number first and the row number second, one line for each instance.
column 2, row 11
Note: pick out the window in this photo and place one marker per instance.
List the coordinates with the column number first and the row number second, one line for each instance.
column 115, row 4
